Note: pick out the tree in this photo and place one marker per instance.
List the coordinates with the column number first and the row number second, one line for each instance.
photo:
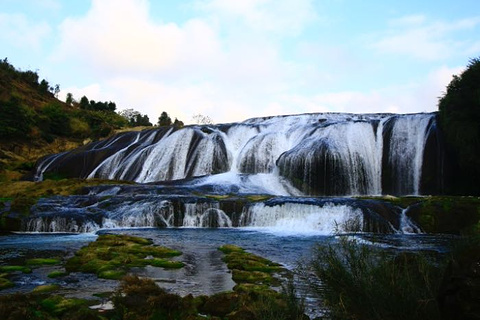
column 56, row 90
column 69, row 99
column 201, row 119
column 164, row 120
column 135, row 118
column 44, row 86
column 84, row 103
column 178, row 123
column 460, row 120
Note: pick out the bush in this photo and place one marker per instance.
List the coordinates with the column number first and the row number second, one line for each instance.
column 59, row 122
column 361, row 282
column 15, row 119
column 79, row 128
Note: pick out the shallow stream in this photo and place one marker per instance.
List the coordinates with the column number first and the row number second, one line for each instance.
column 204, row 271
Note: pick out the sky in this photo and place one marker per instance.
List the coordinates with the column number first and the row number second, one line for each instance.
column 232, row 60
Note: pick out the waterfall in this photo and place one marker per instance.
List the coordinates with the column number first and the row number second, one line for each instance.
column 205, row 215
column 405, row 154
column 304, row 218
column 311, row 154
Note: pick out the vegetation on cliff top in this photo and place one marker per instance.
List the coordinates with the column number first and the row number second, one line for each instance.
column 460, row 120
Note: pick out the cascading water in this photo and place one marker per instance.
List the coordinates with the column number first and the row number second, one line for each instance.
column 314, row 154
column 294, row 218
column 205, row 215
column 288, row 157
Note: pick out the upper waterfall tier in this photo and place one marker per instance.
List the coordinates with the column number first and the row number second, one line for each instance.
column 312, row 154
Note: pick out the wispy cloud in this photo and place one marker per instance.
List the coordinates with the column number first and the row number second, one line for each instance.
column 18, row 31
column 422, row 38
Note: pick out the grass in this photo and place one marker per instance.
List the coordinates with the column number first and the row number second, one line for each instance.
column 360, row 282
column 111, row 256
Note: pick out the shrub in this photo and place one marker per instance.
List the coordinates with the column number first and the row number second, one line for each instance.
column 59, row 122
column 15, row 119
column 361, row 282
column 79, row 128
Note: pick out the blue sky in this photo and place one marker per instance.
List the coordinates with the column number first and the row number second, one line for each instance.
column 233, row 60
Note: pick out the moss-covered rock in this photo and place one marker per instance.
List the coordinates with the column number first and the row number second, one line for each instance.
column 454, row 215
column 42, row 261
column 5, row 283
column 111, row 256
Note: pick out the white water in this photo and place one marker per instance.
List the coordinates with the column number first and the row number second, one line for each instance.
column 303, row 219
column 204, row 215
column 353, row 143
column 406, row 150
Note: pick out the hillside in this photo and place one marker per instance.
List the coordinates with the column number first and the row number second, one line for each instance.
column 34, row 122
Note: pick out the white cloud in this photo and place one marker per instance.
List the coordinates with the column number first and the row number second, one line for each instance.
column 421, row 38
column 18, row 31
column 119, row 36
column 182, row 69
column 281, row 16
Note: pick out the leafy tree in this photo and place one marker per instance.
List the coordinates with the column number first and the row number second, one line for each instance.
column 69, row 99
column 164, row 119
column 135, row 118
column 44, row 86
column 56, row 90
column 460, row 120
column 84, row 103
column 178, row 123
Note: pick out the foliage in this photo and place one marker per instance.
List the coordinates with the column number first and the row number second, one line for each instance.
column 15, row 119
column 86, row 104
column 164, row 120
column 362, row 282
column 135, row 118
column 460, row 119
column 57, row 119
column 202, row 119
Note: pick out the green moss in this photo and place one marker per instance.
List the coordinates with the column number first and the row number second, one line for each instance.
column 42, row 261
column 111, row 256
column 167, row 264
column 256, row 277
column 15, row 268
column 5, row 284
column 258, row 197
column 57, row 274
column 46, row 288
column 112, row 274
column 249, row 268
column 58, row 305
column 456, row 215
column 229, row 248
